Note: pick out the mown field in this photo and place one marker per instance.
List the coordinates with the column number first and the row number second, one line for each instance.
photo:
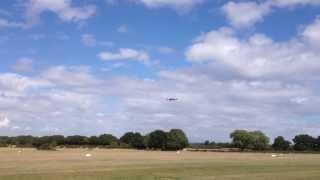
column 72, row 164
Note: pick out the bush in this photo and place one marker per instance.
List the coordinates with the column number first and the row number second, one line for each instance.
column 47, row 147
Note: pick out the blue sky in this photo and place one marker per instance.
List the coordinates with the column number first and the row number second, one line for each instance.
column 91, row 66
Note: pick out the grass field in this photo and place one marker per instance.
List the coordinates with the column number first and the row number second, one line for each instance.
column 72, row 164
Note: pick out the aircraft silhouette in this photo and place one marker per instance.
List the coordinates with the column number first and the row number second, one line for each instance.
column 172, row 99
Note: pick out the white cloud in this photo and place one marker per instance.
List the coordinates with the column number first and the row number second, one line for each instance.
column 50, row 97
column 166, row 50
column 251, row 83
column 259, row 55
column 246, row 14
column 5, row 13
column 180, row 5
column 312, row 33
column 290, row 3
column 8, row 24
column 129, row 103
column 123, row 29
column 70, row 76
column 63, row 8
column 125, row 54
column 14, row 83
column 300, row 100
column 111, row 2
column 4, row 122
column 88, row 40
column 37, row 37
column 23, row 65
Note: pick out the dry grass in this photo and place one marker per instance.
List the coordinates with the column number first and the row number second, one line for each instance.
column 130, row 164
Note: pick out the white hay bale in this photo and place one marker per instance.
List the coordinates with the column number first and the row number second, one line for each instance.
column 274, row 155
column 88, row 155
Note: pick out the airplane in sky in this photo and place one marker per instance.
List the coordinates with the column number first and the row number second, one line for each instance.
column 172, row 99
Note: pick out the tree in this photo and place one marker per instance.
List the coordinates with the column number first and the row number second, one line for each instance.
column 4, row 141
column 255, row 140
column 47, row 146
column 260, row 140
column 24, row 140
column 77, row 140
column 57, row 139
column 280, row 144
column 135, row 140
column 176, row 140
column 127, row 138
column 45, row 143
column 157, row 140
column 94, row 140
column 108, row 139
column 241, row 139
column 318, row 144
column 207, row 143
column 304, row 142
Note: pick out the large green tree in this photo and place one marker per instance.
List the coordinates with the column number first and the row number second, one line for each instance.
column 135, row 140
column 254, row 140
column 176, row 140
column 157, row 140
column 280, row 144
column 108, row 139
column 241, row 139
column 260, row 140
column 77, row 140
column 304, row 142
column 94, row 141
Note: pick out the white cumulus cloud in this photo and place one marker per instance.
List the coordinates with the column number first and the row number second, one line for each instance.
column 179, row 5
column 247, row 13
column 63, row 8
column 124, row 54
column 88, row 40
column 259, row 55
column 4, row 122
column 23, row 65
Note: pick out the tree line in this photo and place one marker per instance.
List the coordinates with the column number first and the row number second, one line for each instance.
column 258, row 141
column 175, row 139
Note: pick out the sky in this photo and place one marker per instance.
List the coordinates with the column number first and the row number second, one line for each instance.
column 108, row 66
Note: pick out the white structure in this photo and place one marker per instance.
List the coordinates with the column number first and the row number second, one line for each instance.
column 88, row 155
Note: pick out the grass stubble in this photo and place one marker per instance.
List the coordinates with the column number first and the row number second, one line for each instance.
column 71, row 164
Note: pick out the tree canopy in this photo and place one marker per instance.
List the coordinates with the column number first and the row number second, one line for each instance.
column 254, row 140
column 176, row 140
column 280, row 144
column 157, row 140
column 135, row 140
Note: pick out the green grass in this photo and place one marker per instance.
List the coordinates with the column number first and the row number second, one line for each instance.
column 135, row 165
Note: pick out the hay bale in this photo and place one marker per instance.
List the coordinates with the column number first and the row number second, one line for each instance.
column 88, row 155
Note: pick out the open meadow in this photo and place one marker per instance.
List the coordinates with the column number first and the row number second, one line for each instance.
column 30, row 164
